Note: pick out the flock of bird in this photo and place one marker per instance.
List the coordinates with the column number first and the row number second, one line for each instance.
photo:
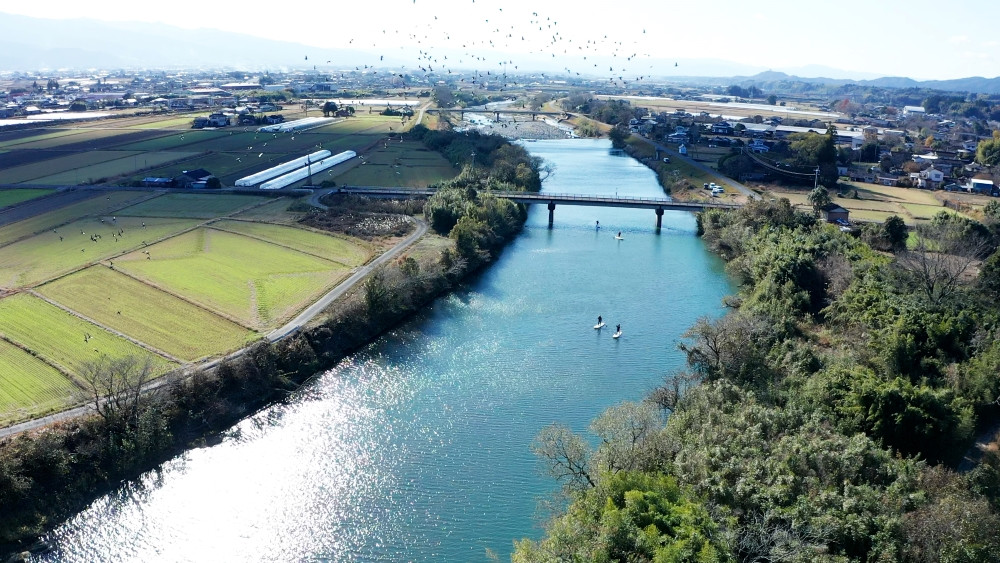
column 497, row 32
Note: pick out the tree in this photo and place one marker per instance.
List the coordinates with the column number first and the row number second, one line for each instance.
column 819, row 198
column 942, row 253
column 213, row 183
column 443, row 96
column 772, row 99
column 329, row 108
column 78, row 105
column 115, row 387
column 618, row 134
column 988, row 151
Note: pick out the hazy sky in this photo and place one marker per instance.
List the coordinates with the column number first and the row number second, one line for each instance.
column 920, row 38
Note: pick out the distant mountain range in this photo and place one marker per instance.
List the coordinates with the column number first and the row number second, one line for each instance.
column 33, row 44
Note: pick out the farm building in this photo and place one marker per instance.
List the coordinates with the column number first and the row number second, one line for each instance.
column 982, row 186
column 833, row 213
column 196, row 178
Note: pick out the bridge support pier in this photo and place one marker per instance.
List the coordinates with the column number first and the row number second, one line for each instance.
column 552, row 212
column 659, row 218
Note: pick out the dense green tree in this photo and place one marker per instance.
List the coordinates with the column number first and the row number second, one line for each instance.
column 988, row 151
column 819, row 198
column 631, row 516
column 618, row 134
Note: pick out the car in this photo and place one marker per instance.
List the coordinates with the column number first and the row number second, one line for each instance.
column 666, row 159
column 842, row 222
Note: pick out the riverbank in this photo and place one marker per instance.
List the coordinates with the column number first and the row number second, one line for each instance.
column 48, row 475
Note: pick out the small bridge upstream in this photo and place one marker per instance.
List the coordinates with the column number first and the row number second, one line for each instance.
column 657, row 204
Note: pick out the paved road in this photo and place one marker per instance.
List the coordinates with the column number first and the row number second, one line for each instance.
column 298, row 322
column 714, row 173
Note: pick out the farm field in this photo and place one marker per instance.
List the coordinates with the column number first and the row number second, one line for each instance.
column 406, row 164
column 159, row 319
column 127, row 163
column 204, row 206
column 12, row 197
column 30, row 387
column 274, row 212
column 14, row 139
column 318, row 244
column 63, row 339
column 255, row 282
column 101, row 203
column 69, row 163
column 878, row 203
column 36, row 259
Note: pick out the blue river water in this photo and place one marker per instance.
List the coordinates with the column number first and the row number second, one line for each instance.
column 417, row 448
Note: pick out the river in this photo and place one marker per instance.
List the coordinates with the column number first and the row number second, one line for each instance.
column 417, row 448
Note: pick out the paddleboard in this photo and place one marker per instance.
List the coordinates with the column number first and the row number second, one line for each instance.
column 599, row 325
column 619, row 238
column 617, row 334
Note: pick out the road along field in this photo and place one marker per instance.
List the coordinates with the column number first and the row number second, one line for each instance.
column 169, row 275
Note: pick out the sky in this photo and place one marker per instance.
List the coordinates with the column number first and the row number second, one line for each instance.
column 919, row 39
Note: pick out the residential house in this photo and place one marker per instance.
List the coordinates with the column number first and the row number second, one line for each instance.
column 887, row 179
column 930, row 179
column 913, row 111
column 722, row 128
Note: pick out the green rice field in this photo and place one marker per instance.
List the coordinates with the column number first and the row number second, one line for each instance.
column 159, row 319
column 274, row 212
column 63, row 339
column 127, row 164
column 318, row 244
column 36, row 259
column 100, row 204
column 29, row 387
column 71, row 163
column 204, row 206
column 405, row 164
column 256, row 282
column 12, row 197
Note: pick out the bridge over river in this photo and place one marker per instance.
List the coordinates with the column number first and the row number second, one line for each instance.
column 657, row 204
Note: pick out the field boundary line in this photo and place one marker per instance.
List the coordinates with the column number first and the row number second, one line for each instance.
column 51, row 363
column 183, row 371
column 106, row 328
column 112, row 258
column 185, row 299
column 54, row 227
column 279, row 245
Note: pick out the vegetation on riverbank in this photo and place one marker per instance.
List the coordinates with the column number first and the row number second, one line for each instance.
column 46, row 476
column 823, row 419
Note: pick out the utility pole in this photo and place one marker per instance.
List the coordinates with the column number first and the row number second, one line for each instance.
column 816, row 181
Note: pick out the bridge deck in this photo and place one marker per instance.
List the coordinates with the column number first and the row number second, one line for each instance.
column 556, row 199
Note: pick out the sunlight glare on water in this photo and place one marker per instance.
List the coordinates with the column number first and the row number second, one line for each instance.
column 417, row 448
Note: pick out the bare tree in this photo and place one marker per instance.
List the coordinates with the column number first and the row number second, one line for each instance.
column 941, row 259
column 566, row 456
column 115, row 386
column 626, row 431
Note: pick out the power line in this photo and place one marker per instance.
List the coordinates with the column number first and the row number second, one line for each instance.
column 768, row 165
